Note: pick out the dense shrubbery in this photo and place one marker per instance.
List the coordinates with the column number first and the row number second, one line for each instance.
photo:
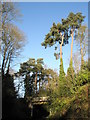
column 64, row 95
column 83, row 75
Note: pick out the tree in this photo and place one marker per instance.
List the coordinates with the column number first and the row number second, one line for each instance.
column 57, row 91
column 40, row 64
column 12, row 38
column 9, row 13
column 11, row 46
column 31, row 72
column 58, row 34
column 51, row 81
column 25, row 70
column 82, row 41
column 38, row 70
column 74, row 22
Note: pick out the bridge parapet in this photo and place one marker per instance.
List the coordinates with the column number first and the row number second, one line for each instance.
column 38, row 100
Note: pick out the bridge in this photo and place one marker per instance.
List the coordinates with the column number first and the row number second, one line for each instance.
column 40, row 100
column 37, row 101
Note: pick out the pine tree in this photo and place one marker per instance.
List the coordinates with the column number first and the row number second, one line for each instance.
column 58, row 34
column 31, row 70
column 74, row 22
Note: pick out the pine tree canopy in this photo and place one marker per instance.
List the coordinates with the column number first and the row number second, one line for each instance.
column 31, row 65
column 54, row 35
column 73, row 20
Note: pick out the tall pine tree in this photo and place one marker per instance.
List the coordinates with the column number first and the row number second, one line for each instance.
column 58, row 34
column 74, row 22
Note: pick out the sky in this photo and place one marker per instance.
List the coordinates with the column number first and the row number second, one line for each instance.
column 36, row 22
column 45, row 0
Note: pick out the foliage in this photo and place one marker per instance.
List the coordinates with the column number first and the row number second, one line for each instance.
column 57, row 32
column 79, row 106
column 31, row 72
column 70, row 72
column 69, row 93
column 59, row 91
column 62, row 73
column 42, row 92
column 73, row 20
column 75, row 106
column 82, row 76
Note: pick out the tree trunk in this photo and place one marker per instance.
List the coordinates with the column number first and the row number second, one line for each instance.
column 6, row 61
column 62, row 74
column 3, row 61
column 36, row 82
column 61, row 47
column 39, row 84
column 8, row 66
column 71, row 45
